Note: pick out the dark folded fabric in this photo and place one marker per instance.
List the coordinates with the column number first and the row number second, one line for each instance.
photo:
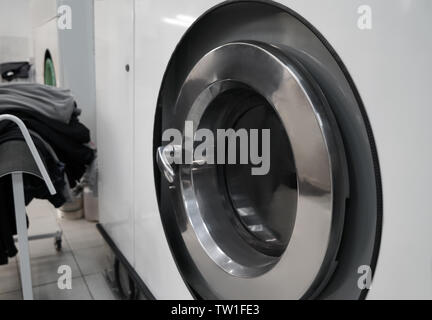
column 67, row 140
column 16, row 156
column 14, row 70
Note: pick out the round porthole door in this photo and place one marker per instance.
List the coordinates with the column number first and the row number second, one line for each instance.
column 302, row 226
column 244, row 231
column 49, row 71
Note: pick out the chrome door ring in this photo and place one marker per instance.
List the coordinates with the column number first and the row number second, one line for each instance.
column 302, row 110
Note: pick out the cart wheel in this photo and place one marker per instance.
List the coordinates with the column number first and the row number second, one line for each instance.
column 58, row 244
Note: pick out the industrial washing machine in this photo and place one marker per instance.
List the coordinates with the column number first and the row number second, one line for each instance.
column 343, row 212
column 45, row 42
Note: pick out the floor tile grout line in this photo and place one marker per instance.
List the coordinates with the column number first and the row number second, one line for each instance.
column 86, row 248
column 93, row 273
column 49, row 282
column 54, row 281
column 72, row 251
column 65, row 237
column 10, row 292
column 79, row 267
column 66, row 234
column 82, row 274
column 7, row 292
column 57, row 254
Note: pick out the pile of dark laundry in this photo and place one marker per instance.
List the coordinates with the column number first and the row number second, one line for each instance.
column 51, row 116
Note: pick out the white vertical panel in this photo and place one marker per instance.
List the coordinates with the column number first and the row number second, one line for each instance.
column 114, row 98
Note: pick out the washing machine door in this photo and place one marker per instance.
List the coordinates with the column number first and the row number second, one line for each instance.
column 253, row 229
column 49, row 71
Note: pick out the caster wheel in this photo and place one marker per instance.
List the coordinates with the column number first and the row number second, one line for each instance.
column 58, row 245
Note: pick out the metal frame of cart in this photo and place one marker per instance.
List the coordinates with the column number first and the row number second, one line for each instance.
column 20, row 213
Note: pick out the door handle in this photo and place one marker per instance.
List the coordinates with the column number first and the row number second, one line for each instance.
column 163, row 163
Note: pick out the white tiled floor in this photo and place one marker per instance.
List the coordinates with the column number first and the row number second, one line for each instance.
column 84, row 250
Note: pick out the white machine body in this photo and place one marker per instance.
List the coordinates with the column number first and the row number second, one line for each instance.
column 390, row 66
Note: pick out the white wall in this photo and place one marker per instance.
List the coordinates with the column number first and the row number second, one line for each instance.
column 41, row 11
column 72, row 51
column 76, row 52
column 15, row 30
